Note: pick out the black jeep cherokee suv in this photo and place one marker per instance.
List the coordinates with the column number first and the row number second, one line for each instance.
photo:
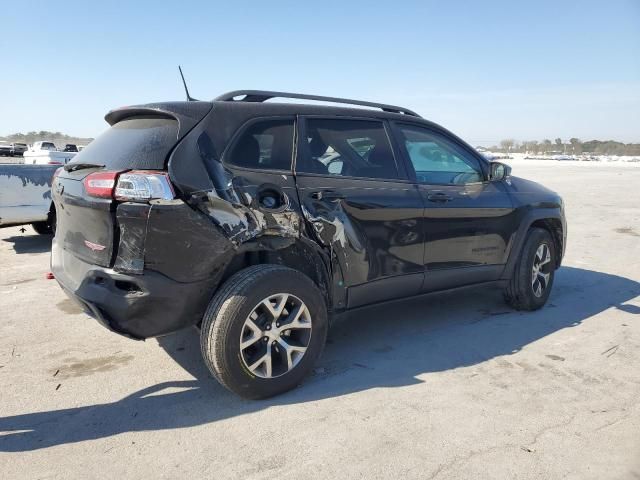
column 257, row 220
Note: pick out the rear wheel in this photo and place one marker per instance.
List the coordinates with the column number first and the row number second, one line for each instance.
column 43, row 228
column 264, row 330
column 52, row 220
column 48, row 227
column 532, row 279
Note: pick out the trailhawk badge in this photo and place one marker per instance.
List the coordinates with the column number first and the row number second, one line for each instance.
column 94, row 246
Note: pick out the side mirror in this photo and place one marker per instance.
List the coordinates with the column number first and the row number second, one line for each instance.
column 499, row 171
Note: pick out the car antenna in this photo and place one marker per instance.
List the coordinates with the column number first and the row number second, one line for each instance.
column 189, row 97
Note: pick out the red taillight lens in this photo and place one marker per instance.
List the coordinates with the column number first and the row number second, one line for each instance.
column 51, row 162
column 100, row 184
column 143, row 185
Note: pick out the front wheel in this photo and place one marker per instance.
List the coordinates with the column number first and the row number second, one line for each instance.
column 264, row 330
column 532, row 279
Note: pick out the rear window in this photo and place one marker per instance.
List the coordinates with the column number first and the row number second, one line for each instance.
column 139, row 142
column 265, row 145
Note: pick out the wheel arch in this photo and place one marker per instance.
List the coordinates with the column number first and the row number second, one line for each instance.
column 297, row 254
column 52, row 212
column 551, row 220
column 555, row 228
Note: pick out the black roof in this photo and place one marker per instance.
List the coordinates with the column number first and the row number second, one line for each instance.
column 247, row 103
column 249, row 109
column 231, row 110
column 228, row 114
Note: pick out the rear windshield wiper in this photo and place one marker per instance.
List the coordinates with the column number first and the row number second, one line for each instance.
column 72, row 167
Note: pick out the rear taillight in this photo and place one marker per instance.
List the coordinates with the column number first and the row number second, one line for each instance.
column 51, row 162
column 141, row 185
column 56, row 173
column 132, row 186
column 100, row 184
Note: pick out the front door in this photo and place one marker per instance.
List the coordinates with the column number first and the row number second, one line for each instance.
column 360, row 206
column 468, row 221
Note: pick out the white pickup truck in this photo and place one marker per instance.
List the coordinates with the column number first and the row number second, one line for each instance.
column 25, row 196
column 46, row 153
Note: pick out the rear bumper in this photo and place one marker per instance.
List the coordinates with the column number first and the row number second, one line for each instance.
column 137, row 306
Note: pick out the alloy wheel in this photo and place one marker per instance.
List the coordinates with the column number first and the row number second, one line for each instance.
column 275, row 335
column 541, row 270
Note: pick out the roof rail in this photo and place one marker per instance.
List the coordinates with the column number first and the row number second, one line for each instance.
column 263, row 95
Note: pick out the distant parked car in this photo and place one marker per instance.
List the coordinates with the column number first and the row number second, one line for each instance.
column 44, row 145
column 25, row 196
column 5, row 149
column 18, row 149
column 70, row 147
column 46, row 153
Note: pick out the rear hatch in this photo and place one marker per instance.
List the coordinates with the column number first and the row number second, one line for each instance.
column 140, row 139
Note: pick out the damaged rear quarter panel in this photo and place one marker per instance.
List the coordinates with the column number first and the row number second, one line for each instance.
column 277, row 235
column 171, row 238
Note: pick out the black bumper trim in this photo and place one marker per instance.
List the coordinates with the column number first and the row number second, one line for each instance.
column 136, row 306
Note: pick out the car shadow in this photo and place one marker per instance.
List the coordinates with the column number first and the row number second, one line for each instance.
column 386, row 346
column 30, row 243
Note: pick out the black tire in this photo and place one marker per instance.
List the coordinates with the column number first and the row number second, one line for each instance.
column 42, row 228
column 52, row 221
column 520, row 292
column 224, row 320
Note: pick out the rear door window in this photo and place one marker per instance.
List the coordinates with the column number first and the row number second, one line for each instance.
column 139, row 142
column 345, row 147
column 264, row 145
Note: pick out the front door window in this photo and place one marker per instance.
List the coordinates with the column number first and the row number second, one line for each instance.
column 436, row 160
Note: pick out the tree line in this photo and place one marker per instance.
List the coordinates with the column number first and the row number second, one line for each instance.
column 573, row 147
column 59, row 138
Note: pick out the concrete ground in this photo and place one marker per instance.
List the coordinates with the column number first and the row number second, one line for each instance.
column 449, row 386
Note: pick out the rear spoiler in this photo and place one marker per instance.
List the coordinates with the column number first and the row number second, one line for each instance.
column 188, row 114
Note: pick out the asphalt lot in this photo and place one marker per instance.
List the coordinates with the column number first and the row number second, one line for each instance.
column 449, row 386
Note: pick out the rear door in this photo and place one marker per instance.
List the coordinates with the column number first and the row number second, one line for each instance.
column 260, row 157
column 469, row 222
column 360, row 205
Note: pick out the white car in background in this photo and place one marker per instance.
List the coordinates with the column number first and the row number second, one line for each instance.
column 25, row 196
column 46, row 153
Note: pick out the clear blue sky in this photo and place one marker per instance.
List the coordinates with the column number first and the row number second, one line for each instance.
column 486, row 70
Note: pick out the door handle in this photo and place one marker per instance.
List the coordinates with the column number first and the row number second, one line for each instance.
column 327, row 195
column 439, row 197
